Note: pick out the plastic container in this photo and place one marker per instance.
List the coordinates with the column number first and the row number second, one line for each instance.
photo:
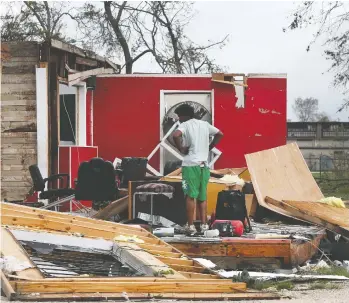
column 213, row 233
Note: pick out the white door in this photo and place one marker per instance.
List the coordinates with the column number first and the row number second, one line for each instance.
column 203, row 100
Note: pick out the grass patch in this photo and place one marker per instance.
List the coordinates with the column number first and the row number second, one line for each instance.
column 333, row 271
column 323, row 285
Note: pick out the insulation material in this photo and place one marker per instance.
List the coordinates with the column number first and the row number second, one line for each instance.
column 233, row 179
column 333, row 201
column 10, row 264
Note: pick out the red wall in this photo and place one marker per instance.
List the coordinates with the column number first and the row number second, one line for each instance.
column 126, row 113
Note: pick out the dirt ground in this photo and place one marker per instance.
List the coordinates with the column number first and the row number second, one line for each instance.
column 339, row 295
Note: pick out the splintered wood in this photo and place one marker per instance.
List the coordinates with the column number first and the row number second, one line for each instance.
column 177, row 276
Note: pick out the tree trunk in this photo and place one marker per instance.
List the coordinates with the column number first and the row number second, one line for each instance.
column 121, row 39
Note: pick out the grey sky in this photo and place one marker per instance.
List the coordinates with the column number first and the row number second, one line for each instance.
column 257, row 44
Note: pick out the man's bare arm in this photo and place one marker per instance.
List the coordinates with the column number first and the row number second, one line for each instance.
column 216, row 139
column 177, row 138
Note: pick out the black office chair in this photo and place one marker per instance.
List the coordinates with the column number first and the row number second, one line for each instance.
column 96, row 181
column 39, row 184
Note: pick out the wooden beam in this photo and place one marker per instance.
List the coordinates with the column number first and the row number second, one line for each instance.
column 49, row 224
column 7, row 288
column 176, row 261
column 163, row 296
column 77, row 77
column 113, row 209
column 17, row 210
column 143, row 261
column 130, row 279
column 113, row 287
column 230, row 82
column 303, row 216
column 194, row 275
column 10, row 247
column 50, row 213
column 85, row 61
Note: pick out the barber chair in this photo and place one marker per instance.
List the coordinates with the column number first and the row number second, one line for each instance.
column 96, row 181
column 39, row 184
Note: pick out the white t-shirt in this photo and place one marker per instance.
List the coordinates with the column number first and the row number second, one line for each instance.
column 196, row 135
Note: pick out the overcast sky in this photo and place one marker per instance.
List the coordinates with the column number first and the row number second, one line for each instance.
column 257, row 44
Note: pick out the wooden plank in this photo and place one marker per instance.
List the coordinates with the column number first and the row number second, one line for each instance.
column 163, row 296
column 17, row 108
column 302, row 252
column 176, row 261
column 19, row 126
column 20, row 88
column 187, row 268
column 334, row 215
column 128, row 279
column 72, row 78
column 114, row 208
column 304, row 216
column 50, row 224
column 144, row 262
column 85, row 61
column 20, row 49
column 7, row 288
column 27, row 102
column 17, row 211
column 10, row 247
column 17, row 79
column 282, row 173
column 194, row 275
column 113, row 287
column 16, row 96
column 25, row 216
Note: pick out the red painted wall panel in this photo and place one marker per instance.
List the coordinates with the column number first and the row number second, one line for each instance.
column 126, row 113
column 127, row 109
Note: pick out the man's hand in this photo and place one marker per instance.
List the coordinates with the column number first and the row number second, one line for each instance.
column 184, row 150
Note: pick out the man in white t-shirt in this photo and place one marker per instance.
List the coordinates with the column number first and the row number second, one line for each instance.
column 192, row 138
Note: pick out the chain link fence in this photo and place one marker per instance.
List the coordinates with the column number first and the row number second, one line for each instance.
column 331, row 174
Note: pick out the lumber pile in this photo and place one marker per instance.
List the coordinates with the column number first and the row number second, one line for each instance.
column 284, row 184
column 167, row 272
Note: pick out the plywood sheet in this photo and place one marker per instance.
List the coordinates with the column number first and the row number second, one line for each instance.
column 282, row 173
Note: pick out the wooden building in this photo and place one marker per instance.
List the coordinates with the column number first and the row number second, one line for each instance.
column 35, row 77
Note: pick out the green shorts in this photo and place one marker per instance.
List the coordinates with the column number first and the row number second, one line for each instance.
column 194, row 182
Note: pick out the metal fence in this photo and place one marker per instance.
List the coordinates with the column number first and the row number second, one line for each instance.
column 327, row 167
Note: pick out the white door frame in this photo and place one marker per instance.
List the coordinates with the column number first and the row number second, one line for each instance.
column 162, row 113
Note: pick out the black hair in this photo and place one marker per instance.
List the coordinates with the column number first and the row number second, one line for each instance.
column 185, row 110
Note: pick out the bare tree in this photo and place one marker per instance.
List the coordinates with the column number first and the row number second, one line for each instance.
column 172, row 49
column 156, row 28
column 37, row 20
column 322, row 117
column 306, row 109
column 332, row 21
column 111, row 28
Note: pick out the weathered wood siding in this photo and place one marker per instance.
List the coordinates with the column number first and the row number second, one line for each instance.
column 18, row 117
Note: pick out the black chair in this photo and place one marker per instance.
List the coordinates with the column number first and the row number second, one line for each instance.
column 39, row 184
column 96, row 181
